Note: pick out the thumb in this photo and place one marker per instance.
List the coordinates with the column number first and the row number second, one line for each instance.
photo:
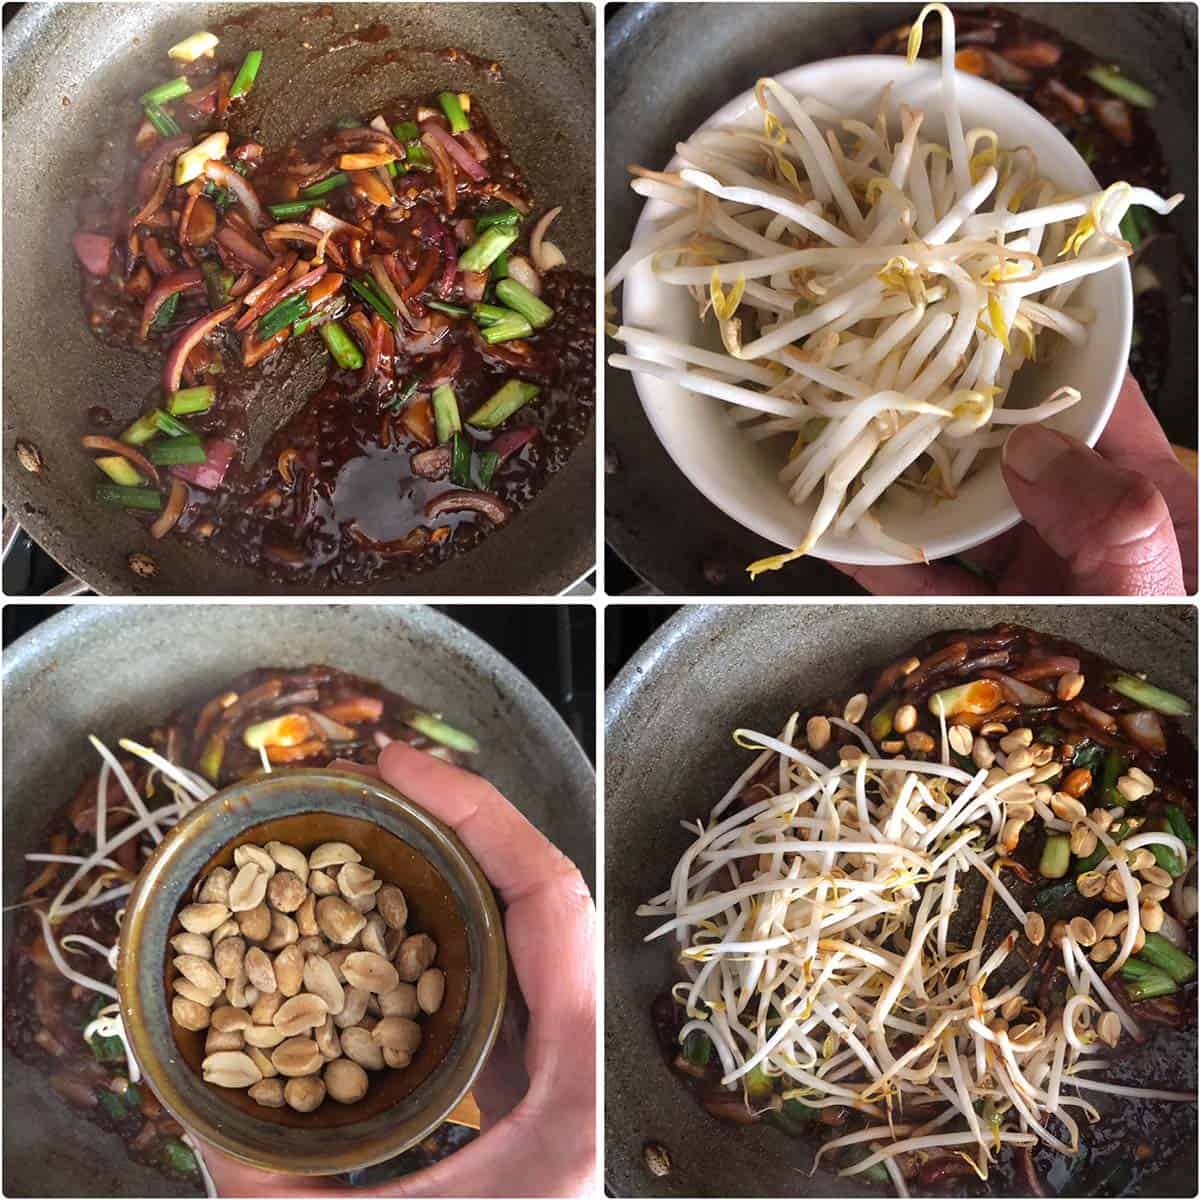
column 1109, row 525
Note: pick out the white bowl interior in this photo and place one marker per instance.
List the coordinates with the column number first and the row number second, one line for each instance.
column 739, row 476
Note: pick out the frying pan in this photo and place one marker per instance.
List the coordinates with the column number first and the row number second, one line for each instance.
column 681, row 62
column 113, row 669
column 675, row 757
column 70, row 67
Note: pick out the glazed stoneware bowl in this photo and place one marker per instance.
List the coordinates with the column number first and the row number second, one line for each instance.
column 671, row 757
column 449, row 898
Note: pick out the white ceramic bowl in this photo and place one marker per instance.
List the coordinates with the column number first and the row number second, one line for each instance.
column 739, row 476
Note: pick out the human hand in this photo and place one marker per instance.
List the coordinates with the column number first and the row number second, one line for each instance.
column 539, row 1105
column 1119, row 520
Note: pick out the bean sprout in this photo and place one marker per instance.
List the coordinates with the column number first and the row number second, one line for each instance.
column 847, row 220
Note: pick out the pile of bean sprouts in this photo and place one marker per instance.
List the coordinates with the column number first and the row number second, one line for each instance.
column 875, row 294
column 814, row 929
column 148, row 827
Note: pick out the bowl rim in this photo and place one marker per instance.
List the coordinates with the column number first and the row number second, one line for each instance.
column 490, row 976
column 651, row 391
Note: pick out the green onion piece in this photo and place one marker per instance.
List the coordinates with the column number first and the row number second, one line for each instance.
column 113, row 1105
column 514, row 395
column 1111, row 79
column 107, row 1049
column 445, row 413
column 697, row 1048
column 511, row 327
column 166, row 312
column 360, row 287
column 875, row 1174
column 452, row 107
column 335, row 181
column 1129, row 230
column 488, row 314
column 393, row 168
column 1113, row 769
column 460, row 460
column 1049, row 735
column 142, row 430
column 504, row 216
column 417, row 157
column 342, row 346
column 292, row 208
column 1056, row 856
column 1167, row 859
column 757, row 1082
column 120, row 470
column 403, row 397
column 881, row 722
column 451, row 310
column 1181, row 827
column 1158, row 984
column 519, row 298
column 436, row 730
column 282, row 315
column 1169, row 958
column 188, row 401
column 500, row 266
column 170, row 425
column 306, row 323
column 213, row 756
column 1137, row 968
column 179, row 1157
column 1056, row 894
column 487, row 248
column 489, row 460
column 1146, row 694
column 215, row 285
column 133, row 1097
column 171, row 90
column 1089, row 755
column 407, row 131
column 162, row 121
column 177, row 451
column 243, row 81
column 128, row 497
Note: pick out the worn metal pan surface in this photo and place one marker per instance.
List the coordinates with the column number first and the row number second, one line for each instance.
column 69, row 67
column 113, row 670
column 681, row 62
column 669, row 715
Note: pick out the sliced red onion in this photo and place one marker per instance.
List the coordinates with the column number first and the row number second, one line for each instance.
column 326, row 222
column 248, row 152
column 464, row 231
column 112, row 446
column 511, row 441
column 335, row 731
column 378, row 123
column 1021, row 693
column 176, row 503
column 156, row 258
column 349, row 138
column 431, row 464
column 473, row 284
column 383, row 280
column 209, row 474
column 272, row 281
column 1048, row 668
column 455, row 149
column 445, row 170
column 522, row 270
column 270, row 299
column 241, row 247
column 382, row 740
column 1144, row 729
column 154, row 203
column 180, row 281
column 475, row 145
column 541, row 259
column 449, row 263
column 1095, row 716
column 481, row 502
column 94, row 251
column 165, row 152
column 225, row 176
column 195, row 333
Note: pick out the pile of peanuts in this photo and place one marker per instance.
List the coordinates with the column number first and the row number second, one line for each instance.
column 303, row 972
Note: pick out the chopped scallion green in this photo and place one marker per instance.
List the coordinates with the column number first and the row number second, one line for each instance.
column 166, row 124
column 522, row 300
column 452, row 107
column 171, row 90
column 436, row 730
column 451, row 310
column 247, row 73
column 342, row 346
column 1111, row 79
column 488, row 247
column 513, row 396
column 291, row 208
column 128, row 497
column 335, row 181
column 188, row 401
column 282, row 315
column 445, row 413
column 460, row 460
column 511, row 327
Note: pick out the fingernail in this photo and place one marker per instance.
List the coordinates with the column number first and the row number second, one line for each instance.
column 1032, row 450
